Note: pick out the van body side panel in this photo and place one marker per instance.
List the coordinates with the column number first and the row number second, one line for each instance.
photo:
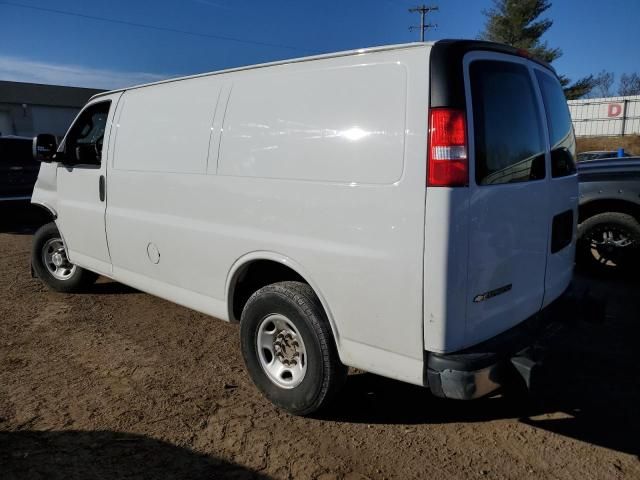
column 45, row 188
column 216, row 127
column 167, row 128
column 276, row 126
column 338, row 187
column 158, row 182
column 445, row 272
column 187, row 298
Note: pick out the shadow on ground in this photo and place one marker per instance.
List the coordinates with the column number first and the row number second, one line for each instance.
column 588, row 389
column 110, row 455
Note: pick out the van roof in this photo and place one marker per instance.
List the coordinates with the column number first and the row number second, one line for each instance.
column 447, row 48
column 345, row 53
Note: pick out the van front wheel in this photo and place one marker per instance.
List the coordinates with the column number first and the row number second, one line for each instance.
column 288, row 348
column 51, row 265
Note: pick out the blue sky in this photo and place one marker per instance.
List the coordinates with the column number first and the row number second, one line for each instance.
column 47, row 47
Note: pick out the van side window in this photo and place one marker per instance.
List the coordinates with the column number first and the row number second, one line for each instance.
column 83, row 144
column 561, row 138
column 509, row 143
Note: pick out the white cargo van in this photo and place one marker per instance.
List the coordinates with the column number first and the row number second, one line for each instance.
column 407, row 210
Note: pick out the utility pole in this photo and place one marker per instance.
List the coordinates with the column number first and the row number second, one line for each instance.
column 423, row 10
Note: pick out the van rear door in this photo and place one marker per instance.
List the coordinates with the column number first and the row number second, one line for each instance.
column 509, row 193
column 563, row 186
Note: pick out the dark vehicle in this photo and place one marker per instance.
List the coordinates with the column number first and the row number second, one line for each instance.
column 18, row 169
column 609, row 213
column 598, row 154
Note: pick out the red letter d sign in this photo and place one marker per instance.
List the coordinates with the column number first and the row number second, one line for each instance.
column 615, row 109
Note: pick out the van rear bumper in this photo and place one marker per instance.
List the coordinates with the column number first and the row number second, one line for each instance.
column 479, row 370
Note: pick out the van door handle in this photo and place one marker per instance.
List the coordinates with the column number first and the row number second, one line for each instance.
column 101, row 187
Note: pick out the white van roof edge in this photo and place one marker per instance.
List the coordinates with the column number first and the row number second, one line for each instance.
column 344, row 53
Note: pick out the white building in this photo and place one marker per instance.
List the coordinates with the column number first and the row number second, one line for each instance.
column 611, row 116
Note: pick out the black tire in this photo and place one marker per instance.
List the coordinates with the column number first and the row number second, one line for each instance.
column 78, row 278
column 604, row 256
column 324, row 375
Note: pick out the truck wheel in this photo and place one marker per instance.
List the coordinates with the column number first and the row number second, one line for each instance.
column 288, row 348
column 609, row 241
column 51, row 265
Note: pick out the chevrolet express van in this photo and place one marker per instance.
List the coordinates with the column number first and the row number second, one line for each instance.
column 407, row 210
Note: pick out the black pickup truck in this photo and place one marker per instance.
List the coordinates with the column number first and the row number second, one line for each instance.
column 18, row 169
column 609, row 213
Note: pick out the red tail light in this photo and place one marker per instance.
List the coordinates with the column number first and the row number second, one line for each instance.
column 447, row 163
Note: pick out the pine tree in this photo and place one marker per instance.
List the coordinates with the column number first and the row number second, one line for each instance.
column 517, row 23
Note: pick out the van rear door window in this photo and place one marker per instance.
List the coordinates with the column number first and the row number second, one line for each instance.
column 561, row 138
column 509, row 143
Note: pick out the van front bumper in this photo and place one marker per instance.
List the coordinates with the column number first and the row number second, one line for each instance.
column 516, row 353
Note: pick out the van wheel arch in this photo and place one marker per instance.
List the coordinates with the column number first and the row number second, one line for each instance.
column 255, row 271
column 47, row 211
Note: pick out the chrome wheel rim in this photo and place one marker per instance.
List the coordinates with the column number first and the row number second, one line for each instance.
column 281, row 351
column 610, row 244
column 54, row 258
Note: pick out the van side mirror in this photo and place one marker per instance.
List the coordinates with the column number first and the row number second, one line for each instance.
column 45, row 146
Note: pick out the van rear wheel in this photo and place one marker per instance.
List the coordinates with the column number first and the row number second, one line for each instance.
column 51, row 264
column 288, row 348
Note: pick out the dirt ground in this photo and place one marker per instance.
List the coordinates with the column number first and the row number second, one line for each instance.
column 117, row 384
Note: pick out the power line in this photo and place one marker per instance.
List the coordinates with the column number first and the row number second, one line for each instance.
column 151, row 27
column 423, row 10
